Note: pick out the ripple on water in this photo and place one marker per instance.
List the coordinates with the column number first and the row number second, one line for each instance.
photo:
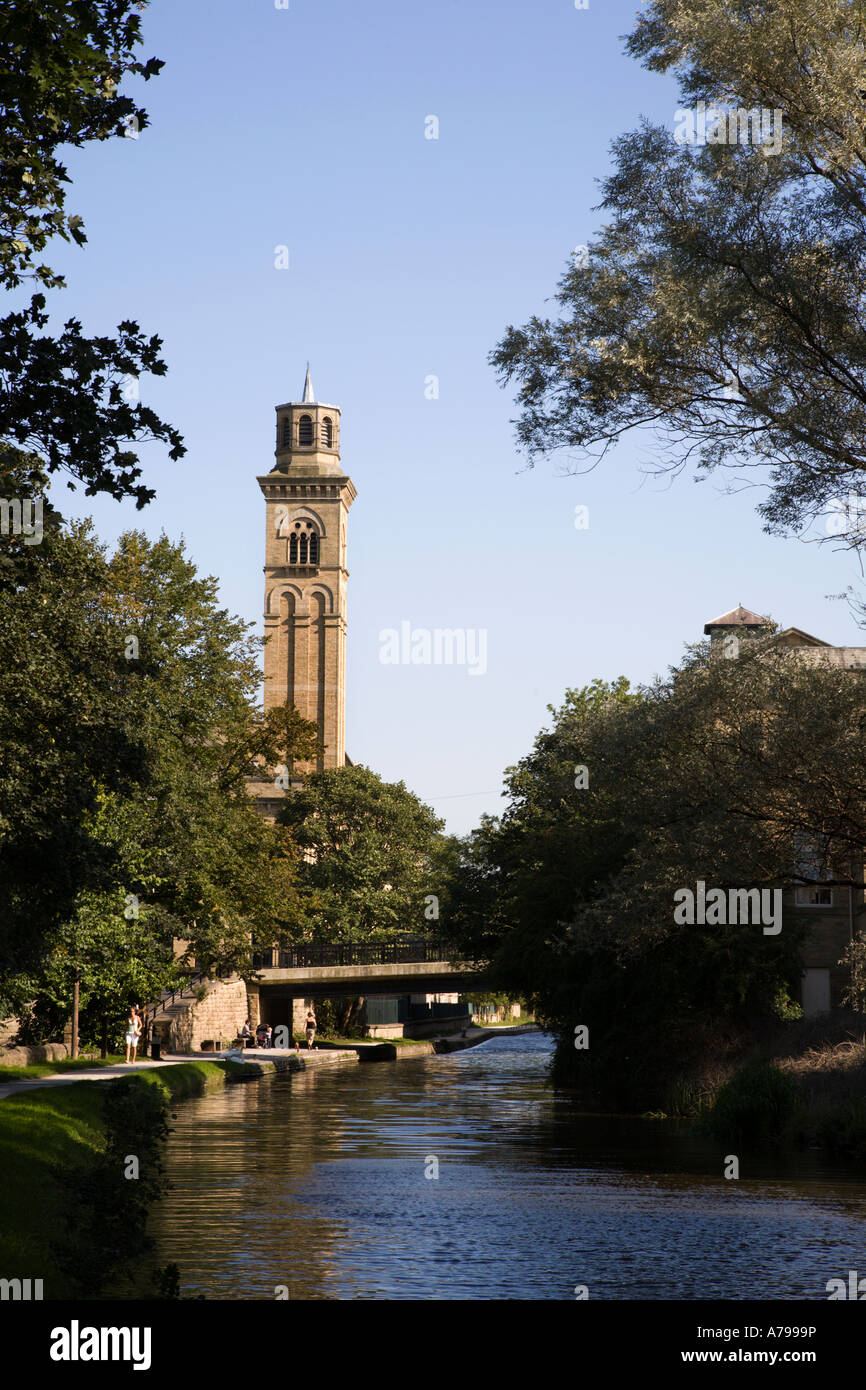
column 317, row 1181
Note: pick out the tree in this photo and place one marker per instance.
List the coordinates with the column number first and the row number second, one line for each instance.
column 117, row 959
column 721, row 773
column 66, row 737
column 375, row 866
column 373, row 857
column 130, row 727
column 63, row 63
column 70, row 400
column 722, row 304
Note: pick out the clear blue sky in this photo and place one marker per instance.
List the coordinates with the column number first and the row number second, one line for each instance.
column 408, row 257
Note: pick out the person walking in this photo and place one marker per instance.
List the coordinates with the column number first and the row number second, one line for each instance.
column 310, row 1028
column 133, row 1032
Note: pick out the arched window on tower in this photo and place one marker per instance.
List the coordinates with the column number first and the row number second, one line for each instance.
column 287, row 432
column 305, row 430
column 304, row 545
column 327, row 432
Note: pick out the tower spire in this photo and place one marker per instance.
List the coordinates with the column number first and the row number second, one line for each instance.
column 309, row 394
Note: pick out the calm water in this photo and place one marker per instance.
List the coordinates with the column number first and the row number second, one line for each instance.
column 317, row 1181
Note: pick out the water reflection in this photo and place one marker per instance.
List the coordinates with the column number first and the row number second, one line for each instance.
column 317, row 1181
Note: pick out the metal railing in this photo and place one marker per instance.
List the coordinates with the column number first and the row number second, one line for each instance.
column 316, row 953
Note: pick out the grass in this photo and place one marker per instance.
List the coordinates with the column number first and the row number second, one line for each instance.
column 803, row 1082
column 758, row 1104
column 831, row 1084
column 504, row 1023
column 54, row 1130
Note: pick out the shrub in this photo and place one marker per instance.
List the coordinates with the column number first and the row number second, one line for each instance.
column 756, row 1104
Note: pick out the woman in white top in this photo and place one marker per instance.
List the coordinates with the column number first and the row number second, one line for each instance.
column 133, row 1032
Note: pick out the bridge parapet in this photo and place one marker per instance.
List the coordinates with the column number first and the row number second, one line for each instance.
column 314, row 954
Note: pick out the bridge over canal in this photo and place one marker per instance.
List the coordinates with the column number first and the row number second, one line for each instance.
column 285, row 980
column 390, row 967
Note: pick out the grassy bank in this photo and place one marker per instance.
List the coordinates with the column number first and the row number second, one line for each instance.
column 55, row 1132
column 507, row 1022
column 802, row 1083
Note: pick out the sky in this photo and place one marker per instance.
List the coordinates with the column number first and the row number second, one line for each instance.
column 306, row 128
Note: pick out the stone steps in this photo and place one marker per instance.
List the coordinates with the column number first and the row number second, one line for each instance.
column 185, row 1024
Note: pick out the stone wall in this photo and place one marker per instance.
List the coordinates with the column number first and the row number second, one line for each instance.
column 8, row 1029
column 220, row 1014
column 46, row 1052
column 19, row 1055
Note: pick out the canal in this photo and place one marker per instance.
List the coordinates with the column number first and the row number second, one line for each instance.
column 323, row 1183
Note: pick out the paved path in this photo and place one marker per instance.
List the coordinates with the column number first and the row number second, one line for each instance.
column 321, row 1056
column 269, row 1054
column 66, row 1078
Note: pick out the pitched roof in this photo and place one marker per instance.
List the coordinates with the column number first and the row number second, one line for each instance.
column 738, row 617
column 796, row 637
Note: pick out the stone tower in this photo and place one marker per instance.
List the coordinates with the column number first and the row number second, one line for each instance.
column 308, row 499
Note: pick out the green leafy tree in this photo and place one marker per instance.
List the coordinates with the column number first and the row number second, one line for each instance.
column 128, row 701
column 721, row 772
column 721, row 304
column 118, row 960
column 66, row 736
column 373, row 857
column 63, row 63
column 68, row 399
column 222, row 870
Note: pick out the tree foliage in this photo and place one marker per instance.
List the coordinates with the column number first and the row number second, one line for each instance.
column 727, row 771
column 103, row 1240
column 70, row 399
column 62, row 62
column 130, row 727
column 373, row 854
column 722, row 302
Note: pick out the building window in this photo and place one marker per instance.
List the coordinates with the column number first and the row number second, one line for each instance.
column 808, row 896
column 305, row 430
column 304, row 544
column 327, row 431
column 287, row 432
column 813, row 864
